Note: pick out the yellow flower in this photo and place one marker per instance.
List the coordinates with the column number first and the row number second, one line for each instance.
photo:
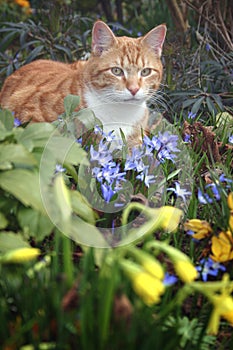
column 169, row 218
column 230, row 201
column 230, row 205
column 20, row 255
column 148, row 288
column 22, row 3
column 222, row 247
column 200, row 228
column 145, row 285
column 148, row 262
column 185, row 270
column 223, row 307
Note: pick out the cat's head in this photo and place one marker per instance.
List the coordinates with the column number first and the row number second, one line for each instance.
column 123, row 68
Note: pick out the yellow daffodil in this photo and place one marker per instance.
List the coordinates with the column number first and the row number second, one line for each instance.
column 148, row 288
column 169, row 218
column 200, row 228
column 182, row 264
column 223, row 307
column 20, row 255
column 222, row 247
column 147, row 261
column 185, row 270
column 145, row 285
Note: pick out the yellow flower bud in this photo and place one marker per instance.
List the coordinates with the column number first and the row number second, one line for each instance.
column 169, row 218
column 148, row 288
column 20, row 255
column 185, row 270
column 147, row 261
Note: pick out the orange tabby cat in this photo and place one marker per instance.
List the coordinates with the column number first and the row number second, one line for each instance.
column 120, row 75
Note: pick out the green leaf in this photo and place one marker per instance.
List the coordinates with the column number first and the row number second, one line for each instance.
column 10, row 241
column 36, row 135
column 188, row 102
column 24, row 185
column 88, row 118
column 197, row 105
column 34, row 223
column 34, row 54
column 70, row 103
column 3, row 221
column 62, row 198
column 17, row 155
column 65, row 50
column 66, row 150
column 7, row 119
column 81, row 207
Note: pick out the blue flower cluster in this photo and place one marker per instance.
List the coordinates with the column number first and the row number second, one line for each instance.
column 111, row 174
column 209, row 267
column 212, row 191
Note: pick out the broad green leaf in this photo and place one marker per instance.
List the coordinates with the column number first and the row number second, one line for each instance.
column 66, row 150
column 7, row 119
column 10, row 241
column 24, row 185
column 36, row 135
column 86, row 234
column 17, row 155
column 70, row 103
column 88, row 118
column 34, row 223
column 81, row 207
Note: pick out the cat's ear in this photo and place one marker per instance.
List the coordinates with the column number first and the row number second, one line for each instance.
column 102, row 38
column 155, row 38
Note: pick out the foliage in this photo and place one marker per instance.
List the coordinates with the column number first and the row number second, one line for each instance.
column 165, row 279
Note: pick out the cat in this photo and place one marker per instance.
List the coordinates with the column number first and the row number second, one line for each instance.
column 115, row 82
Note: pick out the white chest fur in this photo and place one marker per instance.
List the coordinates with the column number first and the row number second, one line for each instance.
column 123, row 115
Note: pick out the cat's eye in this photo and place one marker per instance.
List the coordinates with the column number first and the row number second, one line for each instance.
column 145, row 72
column 117, row 71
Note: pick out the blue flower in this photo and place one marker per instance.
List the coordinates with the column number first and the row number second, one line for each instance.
column 17, row 122
column 230, row 139
column 209, row 267
column 59, row 169
column 144, row 177
column 207, row 47
column 187, row 138
column 169, row 280
column 192, row 115
column 203, row 198
column 107, row 192
column 102, row 155
column 179, row 191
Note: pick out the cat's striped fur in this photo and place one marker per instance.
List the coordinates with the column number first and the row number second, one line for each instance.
column 120, row 75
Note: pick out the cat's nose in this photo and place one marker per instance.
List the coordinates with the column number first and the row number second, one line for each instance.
column 133, row 90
